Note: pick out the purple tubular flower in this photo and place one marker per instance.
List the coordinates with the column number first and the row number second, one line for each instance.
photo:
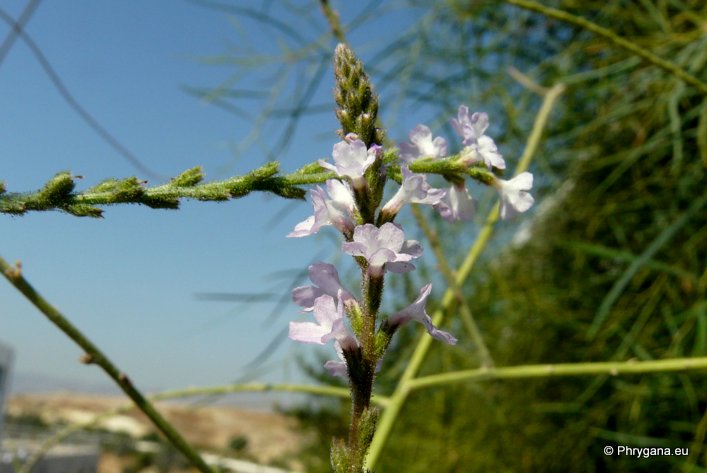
column 457, row 204
column 326, row 281
column 417, row 312
column 330, row 326
column 334, row 209
column 489, row 152
column 515, row 194
column 470, row 128
column 478, row 146
column 423, row 145
column 415, row 189
column 384, row 248
column 351, row 159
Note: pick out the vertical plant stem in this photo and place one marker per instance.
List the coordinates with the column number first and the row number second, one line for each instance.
column 362, row 379
column 464, row 310
column 399, row 396
column 698, row 444
column 93, row 355
column 334, row 21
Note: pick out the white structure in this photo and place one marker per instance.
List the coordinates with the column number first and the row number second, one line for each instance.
column 60, row 459
column 71, row 459
column 5, row 370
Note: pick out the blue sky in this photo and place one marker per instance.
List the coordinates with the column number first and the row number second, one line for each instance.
column 130, row 280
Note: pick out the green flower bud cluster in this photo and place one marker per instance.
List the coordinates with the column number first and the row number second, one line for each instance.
column 358, row 104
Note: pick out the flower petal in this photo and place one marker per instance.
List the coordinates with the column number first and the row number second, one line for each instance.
column 457, row 204
column 417, row 312
column 423, row 146
column 515, row 195
column 307, row 332
column 305, row 296
column 302, row 229
column 399, row 267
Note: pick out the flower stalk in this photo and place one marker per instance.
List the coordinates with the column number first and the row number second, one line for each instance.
column 353, row 205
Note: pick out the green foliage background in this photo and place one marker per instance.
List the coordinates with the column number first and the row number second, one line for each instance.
column 611, row 265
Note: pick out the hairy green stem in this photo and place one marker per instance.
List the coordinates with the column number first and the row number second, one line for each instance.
column 58, row 193
column 93, row 355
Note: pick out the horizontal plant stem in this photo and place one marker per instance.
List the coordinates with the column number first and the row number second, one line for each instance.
column 614, row 38
column 613, row 368
column 58, row 193
column 332, row 391
column 94, row 355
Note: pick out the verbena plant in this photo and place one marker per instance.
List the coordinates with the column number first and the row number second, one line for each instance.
column 353, row 204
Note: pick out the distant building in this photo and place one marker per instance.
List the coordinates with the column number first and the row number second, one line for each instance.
column 60, row 459
column 5, row 369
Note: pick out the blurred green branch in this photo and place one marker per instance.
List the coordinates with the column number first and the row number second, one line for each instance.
column 614, row 38
column 467, row 317
column 93, row 355
column 629, row 367
column 332, row 391
column 625, row 256
column 613, row 368
column 399, row 396
column 621, row 283
column 334, row 21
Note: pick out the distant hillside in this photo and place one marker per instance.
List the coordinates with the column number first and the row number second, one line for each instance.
column 269, row 437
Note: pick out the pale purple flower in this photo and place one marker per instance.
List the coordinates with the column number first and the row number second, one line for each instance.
column 330, row 326
column 456, row 205
column 478, row 146
column 326, row 281
column 414, row 189
column 487, row 150
column 417, row 312
column 470, row 128
column 351, row 159
column 384, row 248
column 330, row 323
column 423, row 145
column 515, row 194
column 335, row 209
column 337, row 368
